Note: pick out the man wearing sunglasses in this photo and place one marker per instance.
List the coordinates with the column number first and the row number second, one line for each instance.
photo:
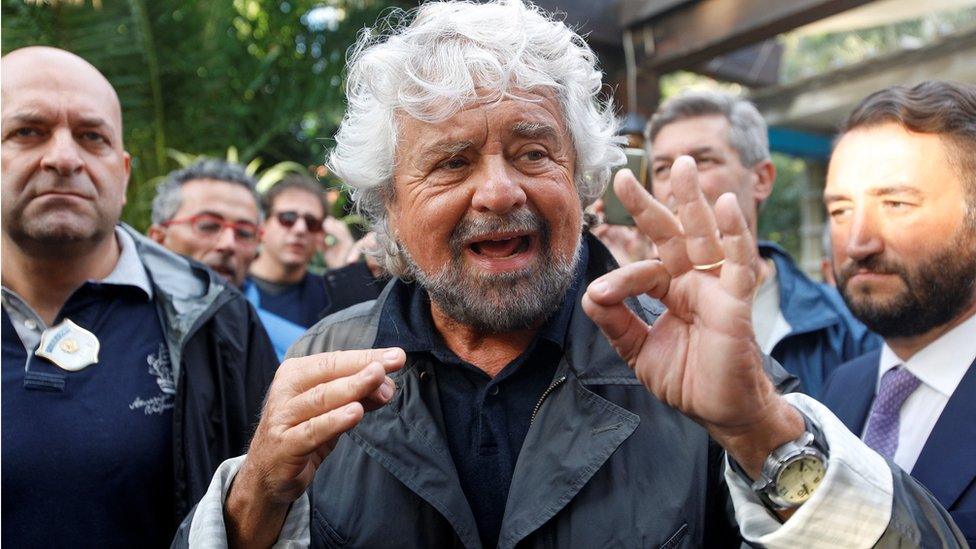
column 295, row 229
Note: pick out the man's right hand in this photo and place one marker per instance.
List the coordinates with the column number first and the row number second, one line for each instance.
column 312, row 401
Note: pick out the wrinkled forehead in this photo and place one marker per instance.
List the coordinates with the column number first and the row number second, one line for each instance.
column 519, row 113
column 691, row 133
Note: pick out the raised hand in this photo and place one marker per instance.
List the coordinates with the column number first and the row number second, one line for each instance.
column 336, row 253
column 312, row 401
column 700, row 356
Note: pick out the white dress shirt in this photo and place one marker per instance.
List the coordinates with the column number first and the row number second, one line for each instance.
column 767, row 317
column 940, row 366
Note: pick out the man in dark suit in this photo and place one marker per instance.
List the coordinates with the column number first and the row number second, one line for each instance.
column 901, row 193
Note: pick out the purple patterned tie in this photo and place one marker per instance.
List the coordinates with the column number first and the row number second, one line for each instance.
column 882, row 433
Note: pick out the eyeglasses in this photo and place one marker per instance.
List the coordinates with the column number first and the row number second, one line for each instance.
column 288, row 218
column 210, row 226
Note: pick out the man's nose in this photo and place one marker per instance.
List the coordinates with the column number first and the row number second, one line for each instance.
column 226, row 239
column 863, row 239
column 63, row 155
column 300, row 226
column 497, row 191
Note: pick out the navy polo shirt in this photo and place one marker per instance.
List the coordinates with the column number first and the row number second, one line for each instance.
column 301, row 303
column 88, row 455
column 485, row 420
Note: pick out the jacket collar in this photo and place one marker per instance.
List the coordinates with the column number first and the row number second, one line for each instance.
column 404, row 437
column 850, row 391
column 945, row 466
column 801, row 300
column 187, row 293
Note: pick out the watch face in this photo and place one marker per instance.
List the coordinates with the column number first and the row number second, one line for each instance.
column 799, row 478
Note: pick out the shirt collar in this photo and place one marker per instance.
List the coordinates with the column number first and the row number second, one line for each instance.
column 129, row 270
column 942, row 363
column 406, row 321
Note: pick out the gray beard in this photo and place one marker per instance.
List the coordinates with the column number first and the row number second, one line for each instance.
column 498, row 303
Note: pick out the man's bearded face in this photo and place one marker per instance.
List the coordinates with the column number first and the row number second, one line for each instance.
column 935, row 289
column 486, row 210
column 500, row 302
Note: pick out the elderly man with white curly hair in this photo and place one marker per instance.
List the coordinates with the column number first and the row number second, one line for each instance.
column 476, row 403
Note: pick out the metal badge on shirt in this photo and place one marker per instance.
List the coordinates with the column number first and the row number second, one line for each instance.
column 69, row 346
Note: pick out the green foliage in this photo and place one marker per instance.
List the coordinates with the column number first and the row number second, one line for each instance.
column 198, row 75
column 811, row 54
column 779, row 219
column 265, row 178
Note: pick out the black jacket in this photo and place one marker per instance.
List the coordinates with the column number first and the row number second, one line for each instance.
column 223, row 364
column 604, row 464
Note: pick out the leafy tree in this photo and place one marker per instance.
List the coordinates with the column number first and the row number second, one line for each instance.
column 198, row 75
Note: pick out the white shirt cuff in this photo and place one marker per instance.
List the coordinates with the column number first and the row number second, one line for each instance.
column 851, row 508
column 207, row 527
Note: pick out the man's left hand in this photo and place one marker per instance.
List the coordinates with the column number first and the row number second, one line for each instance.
column 700, row 356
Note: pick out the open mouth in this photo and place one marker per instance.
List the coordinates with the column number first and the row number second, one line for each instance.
column 502, row 247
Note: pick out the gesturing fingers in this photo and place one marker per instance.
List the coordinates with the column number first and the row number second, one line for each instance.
column 701, row 232
column 738, row 275
column 306, row 372
column 333, row 394
column 655, row 221
column 625, row 330
column 642, row 277
column 321, row 430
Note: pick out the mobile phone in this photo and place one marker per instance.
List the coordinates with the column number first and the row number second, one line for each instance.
column 613, row 210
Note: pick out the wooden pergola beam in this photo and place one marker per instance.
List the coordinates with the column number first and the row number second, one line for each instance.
column 693, row 33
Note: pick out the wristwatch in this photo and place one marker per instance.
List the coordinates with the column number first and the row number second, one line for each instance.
column 791, row 473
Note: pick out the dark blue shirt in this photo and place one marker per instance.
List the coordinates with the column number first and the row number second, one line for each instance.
column 91, row 463
column 301, row 303
column 485, row 420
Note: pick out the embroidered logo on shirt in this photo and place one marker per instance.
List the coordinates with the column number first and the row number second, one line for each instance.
column 159, row 366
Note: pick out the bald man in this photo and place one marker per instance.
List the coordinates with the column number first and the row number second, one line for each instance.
column 129, row 372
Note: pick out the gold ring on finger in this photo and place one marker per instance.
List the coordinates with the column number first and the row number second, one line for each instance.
column 709, row 266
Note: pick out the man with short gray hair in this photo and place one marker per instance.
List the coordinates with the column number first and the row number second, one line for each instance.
column 209, row 211
column 803, row 325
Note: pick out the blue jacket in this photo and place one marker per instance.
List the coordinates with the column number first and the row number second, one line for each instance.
column 947, row 464
column 823, row 332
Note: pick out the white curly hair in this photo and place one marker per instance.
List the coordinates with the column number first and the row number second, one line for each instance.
column 431, row 61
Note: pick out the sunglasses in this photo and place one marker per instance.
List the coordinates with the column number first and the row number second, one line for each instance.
column 287, row 219
column 209, row 226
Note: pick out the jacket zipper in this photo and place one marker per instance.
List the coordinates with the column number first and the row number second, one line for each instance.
column 545, row 394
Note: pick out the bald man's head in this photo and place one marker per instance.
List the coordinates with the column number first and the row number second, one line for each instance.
column 41, row 63
column 64, row 169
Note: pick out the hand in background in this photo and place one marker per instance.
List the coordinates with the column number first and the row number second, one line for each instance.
column 336, row 253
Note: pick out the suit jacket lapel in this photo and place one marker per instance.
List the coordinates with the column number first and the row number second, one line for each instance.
column 851, row 392
column 946, row 466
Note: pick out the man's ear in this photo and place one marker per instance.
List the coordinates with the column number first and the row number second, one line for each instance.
column 127, row 159
column 765, row 172
column 156, row 233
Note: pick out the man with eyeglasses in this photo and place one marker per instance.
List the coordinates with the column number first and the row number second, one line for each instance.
column 295, row 229
column 209, row 212
column 129, row 372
